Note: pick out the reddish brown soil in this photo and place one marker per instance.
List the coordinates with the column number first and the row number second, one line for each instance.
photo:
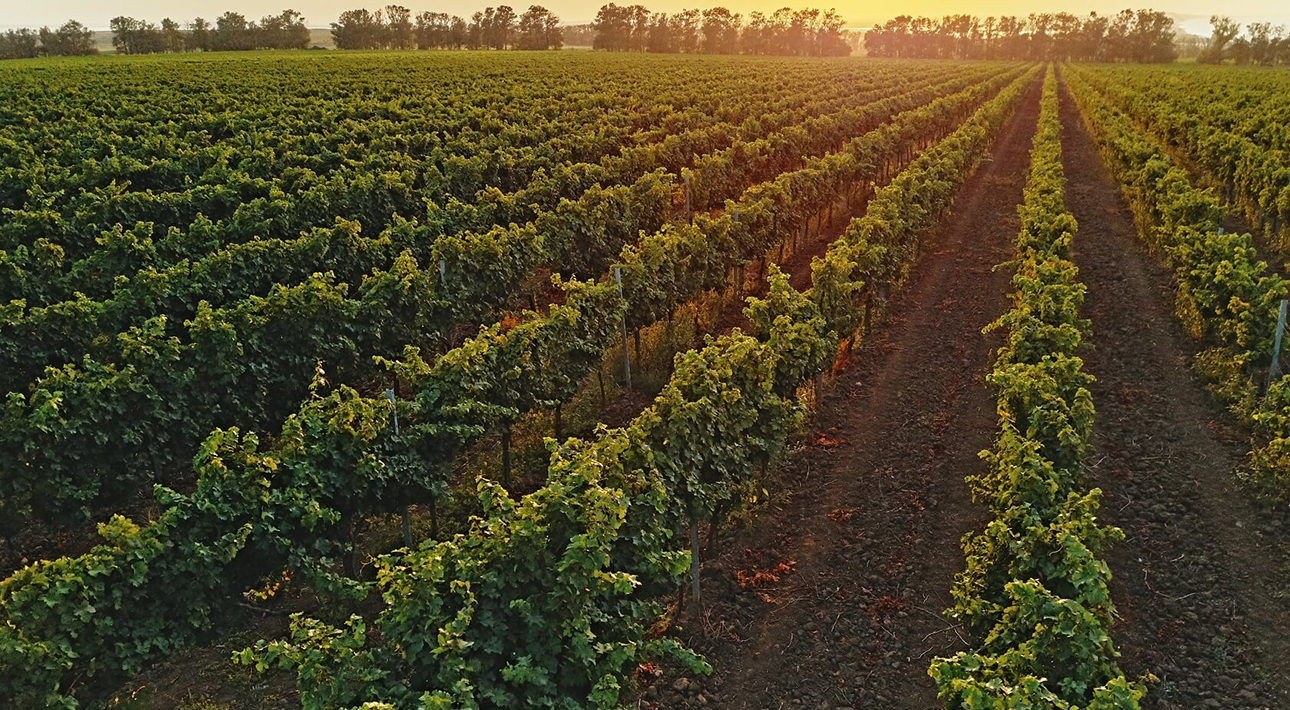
column 844, row 582
column 1198, row 581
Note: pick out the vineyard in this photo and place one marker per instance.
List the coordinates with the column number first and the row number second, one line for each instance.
column 586, row 380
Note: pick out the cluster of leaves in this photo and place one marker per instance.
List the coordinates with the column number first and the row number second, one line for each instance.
column 152, row 588
column 1034, row 595
column 338, row 457
column 1225, row 294
column 138, row 405
column 480, row 152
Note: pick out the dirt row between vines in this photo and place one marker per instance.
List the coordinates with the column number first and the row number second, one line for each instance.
column 833, row 599
column 1199, row 580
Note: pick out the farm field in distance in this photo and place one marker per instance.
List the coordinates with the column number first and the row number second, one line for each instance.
column 386, row 380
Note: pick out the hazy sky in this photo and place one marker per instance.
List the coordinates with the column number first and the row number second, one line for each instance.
column 96, row 13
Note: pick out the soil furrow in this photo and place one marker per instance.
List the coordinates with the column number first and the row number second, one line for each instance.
column 834, row 598
column 1197, row 580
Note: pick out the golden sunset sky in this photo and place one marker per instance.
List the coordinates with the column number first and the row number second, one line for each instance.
column 1193, row 14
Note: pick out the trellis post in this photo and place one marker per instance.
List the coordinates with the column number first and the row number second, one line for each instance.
column 627, row 363
column 1275, row 368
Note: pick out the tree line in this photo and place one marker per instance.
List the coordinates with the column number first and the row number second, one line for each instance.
column 634, row 28
column 391, row 27
column 394, row 27
column 231, row 32
column 1262, row 43
column 1145, row 36
column 71, row 39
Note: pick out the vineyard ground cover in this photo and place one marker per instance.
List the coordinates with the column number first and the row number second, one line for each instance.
column 1199, row 579
column 833, row 598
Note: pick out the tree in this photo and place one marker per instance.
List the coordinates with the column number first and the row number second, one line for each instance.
column 492, row 28
column 296, row 34
column 19, row 44
column 1092, row 38
column 661, row 39
column 432, row 30
column 399, row 31
column 779, row 26
column 69, row 40
column 685, row 31
column 1152, row 37
column 613, row 27
column 131, row 36
column 539, row 28
column 233, row 33
column 199, row 36
column 172, row 37
column 800, row 38
column 123, row 33
column 720, row 31
column 831, row 39
column 458, row 33
column 1222, row 34
column 479, row 23
column 639, row 17
column 502, row 29
column 754, row 39
column 283, row 31
column 358, row 29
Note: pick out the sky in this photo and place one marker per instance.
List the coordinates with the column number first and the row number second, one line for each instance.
column 1193, row 15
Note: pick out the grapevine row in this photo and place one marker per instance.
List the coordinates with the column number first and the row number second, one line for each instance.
column 578, row 236
column 576, row 230
column 1034, row 596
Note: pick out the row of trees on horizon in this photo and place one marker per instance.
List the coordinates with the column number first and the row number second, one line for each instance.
column 1129, row 36
column 70, row 40
column 230, row 32
column 1145, row 36
column 1262, row 43
column 806, row 32
column 394, row 27
column 391, row 27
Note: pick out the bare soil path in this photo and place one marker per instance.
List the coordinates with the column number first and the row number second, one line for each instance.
column 834, row 598
column 1199, row 579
